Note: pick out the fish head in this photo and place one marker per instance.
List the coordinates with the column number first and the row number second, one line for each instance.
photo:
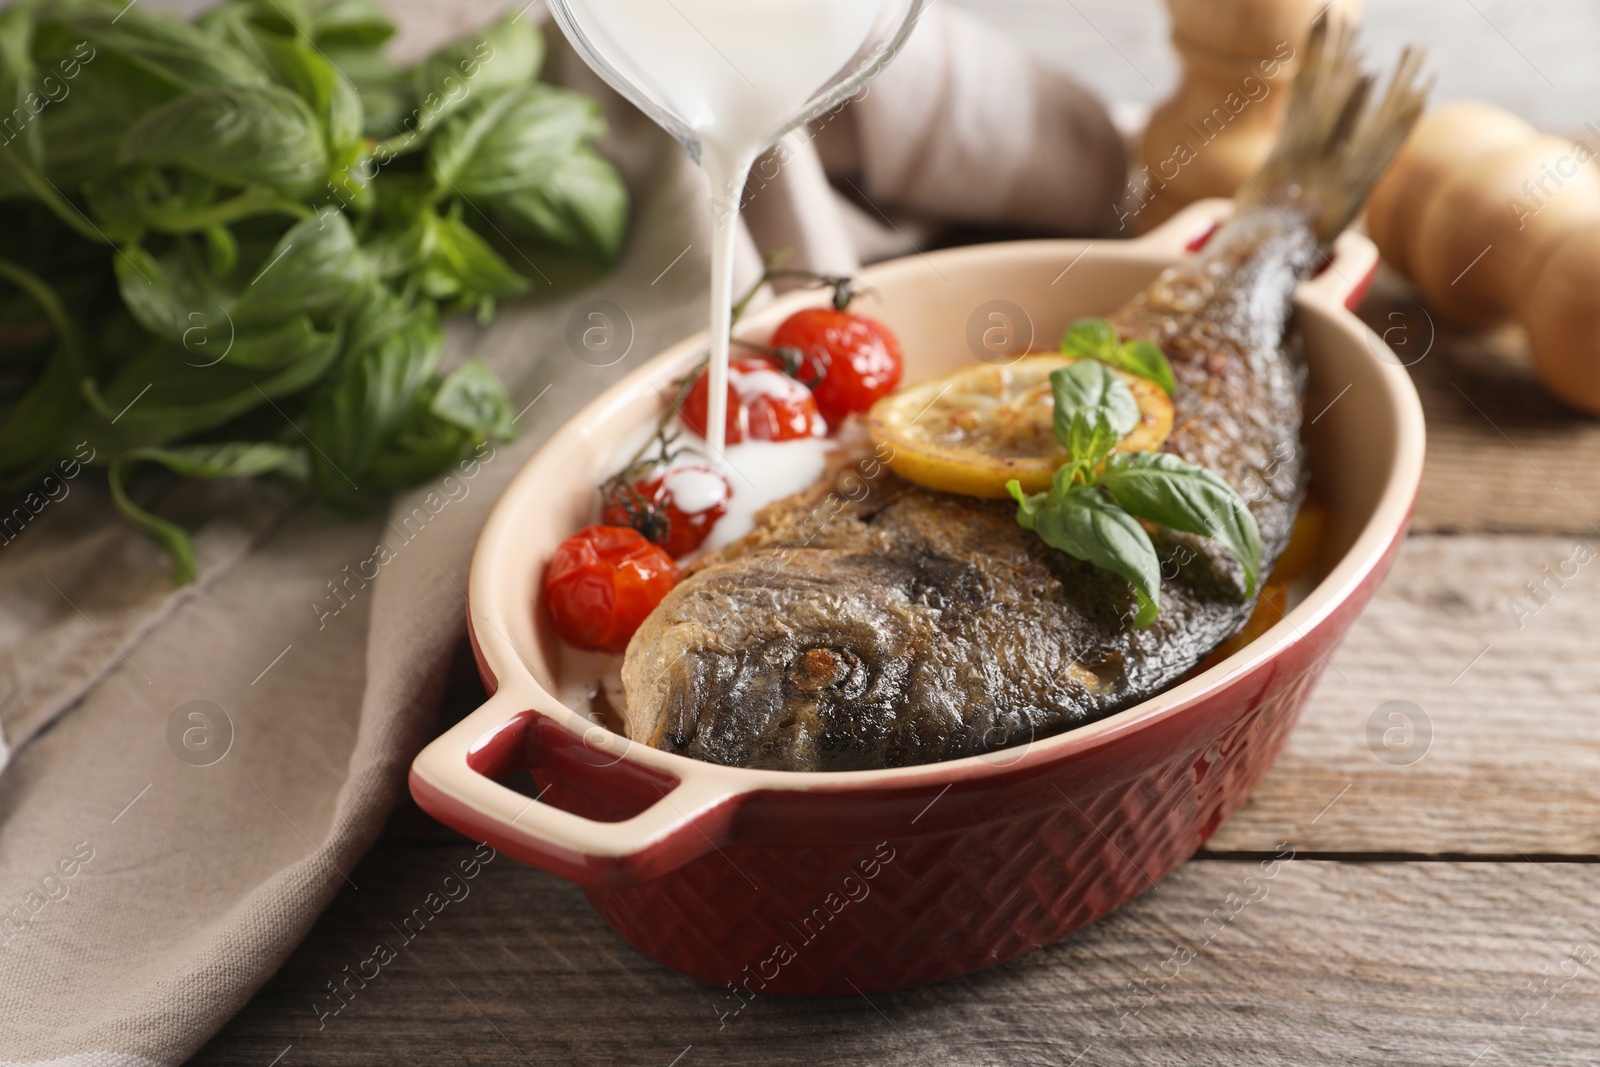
column 808, row 660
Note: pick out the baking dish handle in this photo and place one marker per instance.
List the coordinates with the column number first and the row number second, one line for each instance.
column 1344, row 282
column 1188, row 230
column 453, row 780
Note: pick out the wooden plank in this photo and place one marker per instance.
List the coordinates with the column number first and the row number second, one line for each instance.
column 1502, row 454
column 1513, row 765
column 1357, row 963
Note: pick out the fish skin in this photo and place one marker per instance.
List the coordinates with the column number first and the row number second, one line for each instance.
column 872, row 623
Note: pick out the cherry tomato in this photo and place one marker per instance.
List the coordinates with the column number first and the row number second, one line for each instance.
column 602, row 582
column 675, row 508
column 853, row 360
column 764, row 404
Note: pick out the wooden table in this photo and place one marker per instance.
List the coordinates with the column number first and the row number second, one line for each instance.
column 1442, row 910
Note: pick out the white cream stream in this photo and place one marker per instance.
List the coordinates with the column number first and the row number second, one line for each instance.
column 736, row 73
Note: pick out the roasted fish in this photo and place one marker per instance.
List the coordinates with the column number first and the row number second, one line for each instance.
column 872, row 623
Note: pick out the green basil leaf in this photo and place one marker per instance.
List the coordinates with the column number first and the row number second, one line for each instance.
column 316, row 269
column 382, row 86
column 21, row 147
column 106, row 95
column 262, row 135
column 511, row 141
column 1092, row 389
column 1097, row 339
column 350, row 23
column 162, row 45
column 472, row 398
column 1086, row 524
column 1089, row 440
column 1164, row 489
column 506, row 55
column 581, row 208
column 295, row 341
column 332, row 96
column 168, row 392
column 164, row 294
column 391, row 353
column 33, row 425
column 231, row 460
column 462, row 265
column 1089, row 339
column 1143, row 358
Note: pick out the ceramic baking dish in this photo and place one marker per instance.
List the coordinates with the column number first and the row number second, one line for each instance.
column 798, row 883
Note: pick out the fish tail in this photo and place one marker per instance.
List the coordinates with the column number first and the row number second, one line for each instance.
column 1335, row 141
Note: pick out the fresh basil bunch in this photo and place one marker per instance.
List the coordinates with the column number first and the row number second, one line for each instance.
column 1093, row 507
column 226, row 245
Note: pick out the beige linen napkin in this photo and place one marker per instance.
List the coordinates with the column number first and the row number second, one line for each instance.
column 194, row 773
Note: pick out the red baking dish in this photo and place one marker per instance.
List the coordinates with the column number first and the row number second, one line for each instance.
column 794, row 883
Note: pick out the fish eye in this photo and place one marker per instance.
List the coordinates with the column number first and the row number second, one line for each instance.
column 818, row 669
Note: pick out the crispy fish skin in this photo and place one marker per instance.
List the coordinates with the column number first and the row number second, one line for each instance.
column 871, row 623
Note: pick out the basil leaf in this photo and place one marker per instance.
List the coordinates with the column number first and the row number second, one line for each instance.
column 232, row 460
column 1093, row 390
column 1143, row 358
column 1097, row 339
column 295, row 341
column 1089, row 440
column 512, row 141
column 462, row 265
column 391, row 352
column 332, row 97
column 163, row 293
column 35, row 422
column 1086, row 524
column 166, row 392
column 350, row 23
column 22, row 150
column 315, row 269
column 107, row 96
column 1164, row 489
column 164, row 46
column 473, row 399
column 30, row 429
column 581, row 208
column 1089, row 339
column 507, row 55
column 261, row 135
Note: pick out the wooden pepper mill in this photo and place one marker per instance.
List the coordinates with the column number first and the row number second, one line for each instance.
column 1493, row 220
column 1239, row 58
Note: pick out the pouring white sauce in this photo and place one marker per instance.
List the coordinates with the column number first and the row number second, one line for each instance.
column 736, row 73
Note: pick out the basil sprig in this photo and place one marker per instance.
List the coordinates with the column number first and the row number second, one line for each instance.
column 1096, row 339
column 227, row 245
column 1093, row 507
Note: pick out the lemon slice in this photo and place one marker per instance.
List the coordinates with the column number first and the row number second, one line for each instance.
column 973, row 431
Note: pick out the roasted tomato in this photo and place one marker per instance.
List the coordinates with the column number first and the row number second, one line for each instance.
column 851, row 360
column 764, row 404
column 601, row 583
column 675, row 508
